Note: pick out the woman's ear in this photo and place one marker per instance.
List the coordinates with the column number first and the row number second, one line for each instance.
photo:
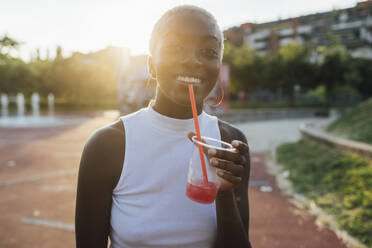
column 150, row 66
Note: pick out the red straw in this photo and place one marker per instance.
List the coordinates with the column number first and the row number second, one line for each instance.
column 198, row 137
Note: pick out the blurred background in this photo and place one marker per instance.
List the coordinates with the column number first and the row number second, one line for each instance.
column 292, row 72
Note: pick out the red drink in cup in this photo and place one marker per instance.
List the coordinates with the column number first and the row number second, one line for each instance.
column 202, row 180
column 197, row 188
column 200, row 192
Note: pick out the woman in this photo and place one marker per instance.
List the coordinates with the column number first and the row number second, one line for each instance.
column 132, row 176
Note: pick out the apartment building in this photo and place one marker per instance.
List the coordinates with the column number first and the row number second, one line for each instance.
column 350, row 27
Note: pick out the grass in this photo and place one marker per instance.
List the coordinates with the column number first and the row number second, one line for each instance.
column 355, row 124
column 339, row 183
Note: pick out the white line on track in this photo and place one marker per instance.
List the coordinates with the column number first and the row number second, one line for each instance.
column 38, row 177
column 49, row 223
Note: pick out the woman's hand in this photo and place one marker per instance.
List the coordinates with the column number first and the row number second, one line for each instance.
column 230, row 164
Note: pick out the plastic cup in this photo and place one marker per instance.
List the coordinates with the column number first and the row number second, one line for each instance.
column 197, row 188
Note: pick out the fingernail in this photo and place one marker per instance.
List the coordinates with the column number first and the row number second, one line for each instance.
column 212, row 152
column 220, row 173
column 235, row 143
column 213, row 161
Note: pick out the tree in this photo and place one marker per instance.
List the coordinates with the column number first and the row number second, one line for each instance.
column 244, row 68
column 59, row 53
column 272, row 77
column 296, row 69
column 7, row 44
column 333, row 70
column 363, row 69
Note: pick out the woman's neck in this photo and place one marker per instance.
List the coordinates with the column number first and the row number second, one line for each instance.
column 167, row 107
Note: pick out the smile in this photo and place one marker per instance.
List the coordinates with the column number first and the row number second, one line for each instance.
column 189, row 80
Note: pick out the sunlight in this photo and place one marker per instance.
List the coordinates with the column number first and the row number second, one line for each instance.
column 118, row 25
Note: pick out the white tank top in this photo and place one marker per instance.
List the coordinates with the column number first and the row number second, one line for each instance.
column 149, row 204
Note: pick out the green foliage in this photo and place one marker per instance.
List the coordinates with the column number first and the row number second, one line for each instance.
column 294, row 52
column 363, row 68
column 318, row 92
column 356, row 124
column 15, row 74
column 77, row 80
column 335, row 70
column 244, row 67
column 7, row 44
column 296, row 68
column 81, row 80
column 302, row 65
column 340, row 183
column 279, row 71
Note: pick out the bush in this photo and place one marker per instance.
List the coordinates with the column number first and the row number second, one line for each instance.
column 340, row 183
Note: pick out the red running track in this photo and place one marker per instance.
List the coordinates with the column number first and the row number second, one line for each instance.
column 275, row 222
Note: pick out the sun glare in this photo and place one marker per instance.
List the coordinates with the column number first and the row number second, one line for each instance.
column 123, row 27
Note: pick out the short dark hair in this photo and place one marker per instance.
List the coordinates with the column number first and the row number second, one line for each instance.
column 159, row 25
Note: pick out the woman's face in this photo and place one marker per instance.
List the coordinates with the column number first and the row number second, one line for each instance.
column 188, row 51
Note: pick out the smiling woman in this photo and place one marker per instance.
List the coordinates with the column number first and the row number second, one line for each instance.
column 132, row 178
column 191, row 56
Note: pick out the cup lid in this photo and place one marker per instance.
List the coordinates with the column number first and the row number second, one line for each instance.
column 229, row 149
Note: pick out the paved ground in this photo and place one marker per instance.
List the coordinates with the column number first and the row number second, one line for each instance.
column 38, row 172
column 267, row 135
column 275, row 221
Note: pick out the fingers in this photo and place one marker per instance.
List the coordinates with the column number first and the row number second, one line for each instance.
column 231, row 164
column 237, row 158
column 240, row 145
column 190, row 135
column 234, row 169
column 228, row 177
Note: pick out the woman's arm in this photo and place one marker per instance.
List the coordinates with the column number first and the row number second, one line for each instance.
column 100, row 168
column 232, row 205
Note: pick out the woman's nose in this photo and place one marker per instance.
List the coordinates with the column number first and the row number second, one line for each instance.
column 191, row 58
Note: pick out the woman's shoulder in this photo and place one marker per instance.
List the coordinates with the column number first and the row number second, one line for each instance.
column 104, row 154
column 108, row 134
column 106, row 142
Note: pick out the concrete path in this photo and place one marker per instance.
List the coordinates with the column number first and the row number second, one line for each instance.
column 275, row 221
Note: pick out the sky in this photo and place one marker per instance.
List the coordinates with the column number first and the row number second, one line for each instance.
column 91, row 25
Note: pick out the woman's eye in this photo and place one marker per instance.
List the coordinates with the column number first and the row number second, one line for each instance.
column 210, row 53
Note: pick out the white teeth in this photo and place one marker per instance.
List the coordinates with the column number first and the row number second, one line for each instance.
column 189, row 79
